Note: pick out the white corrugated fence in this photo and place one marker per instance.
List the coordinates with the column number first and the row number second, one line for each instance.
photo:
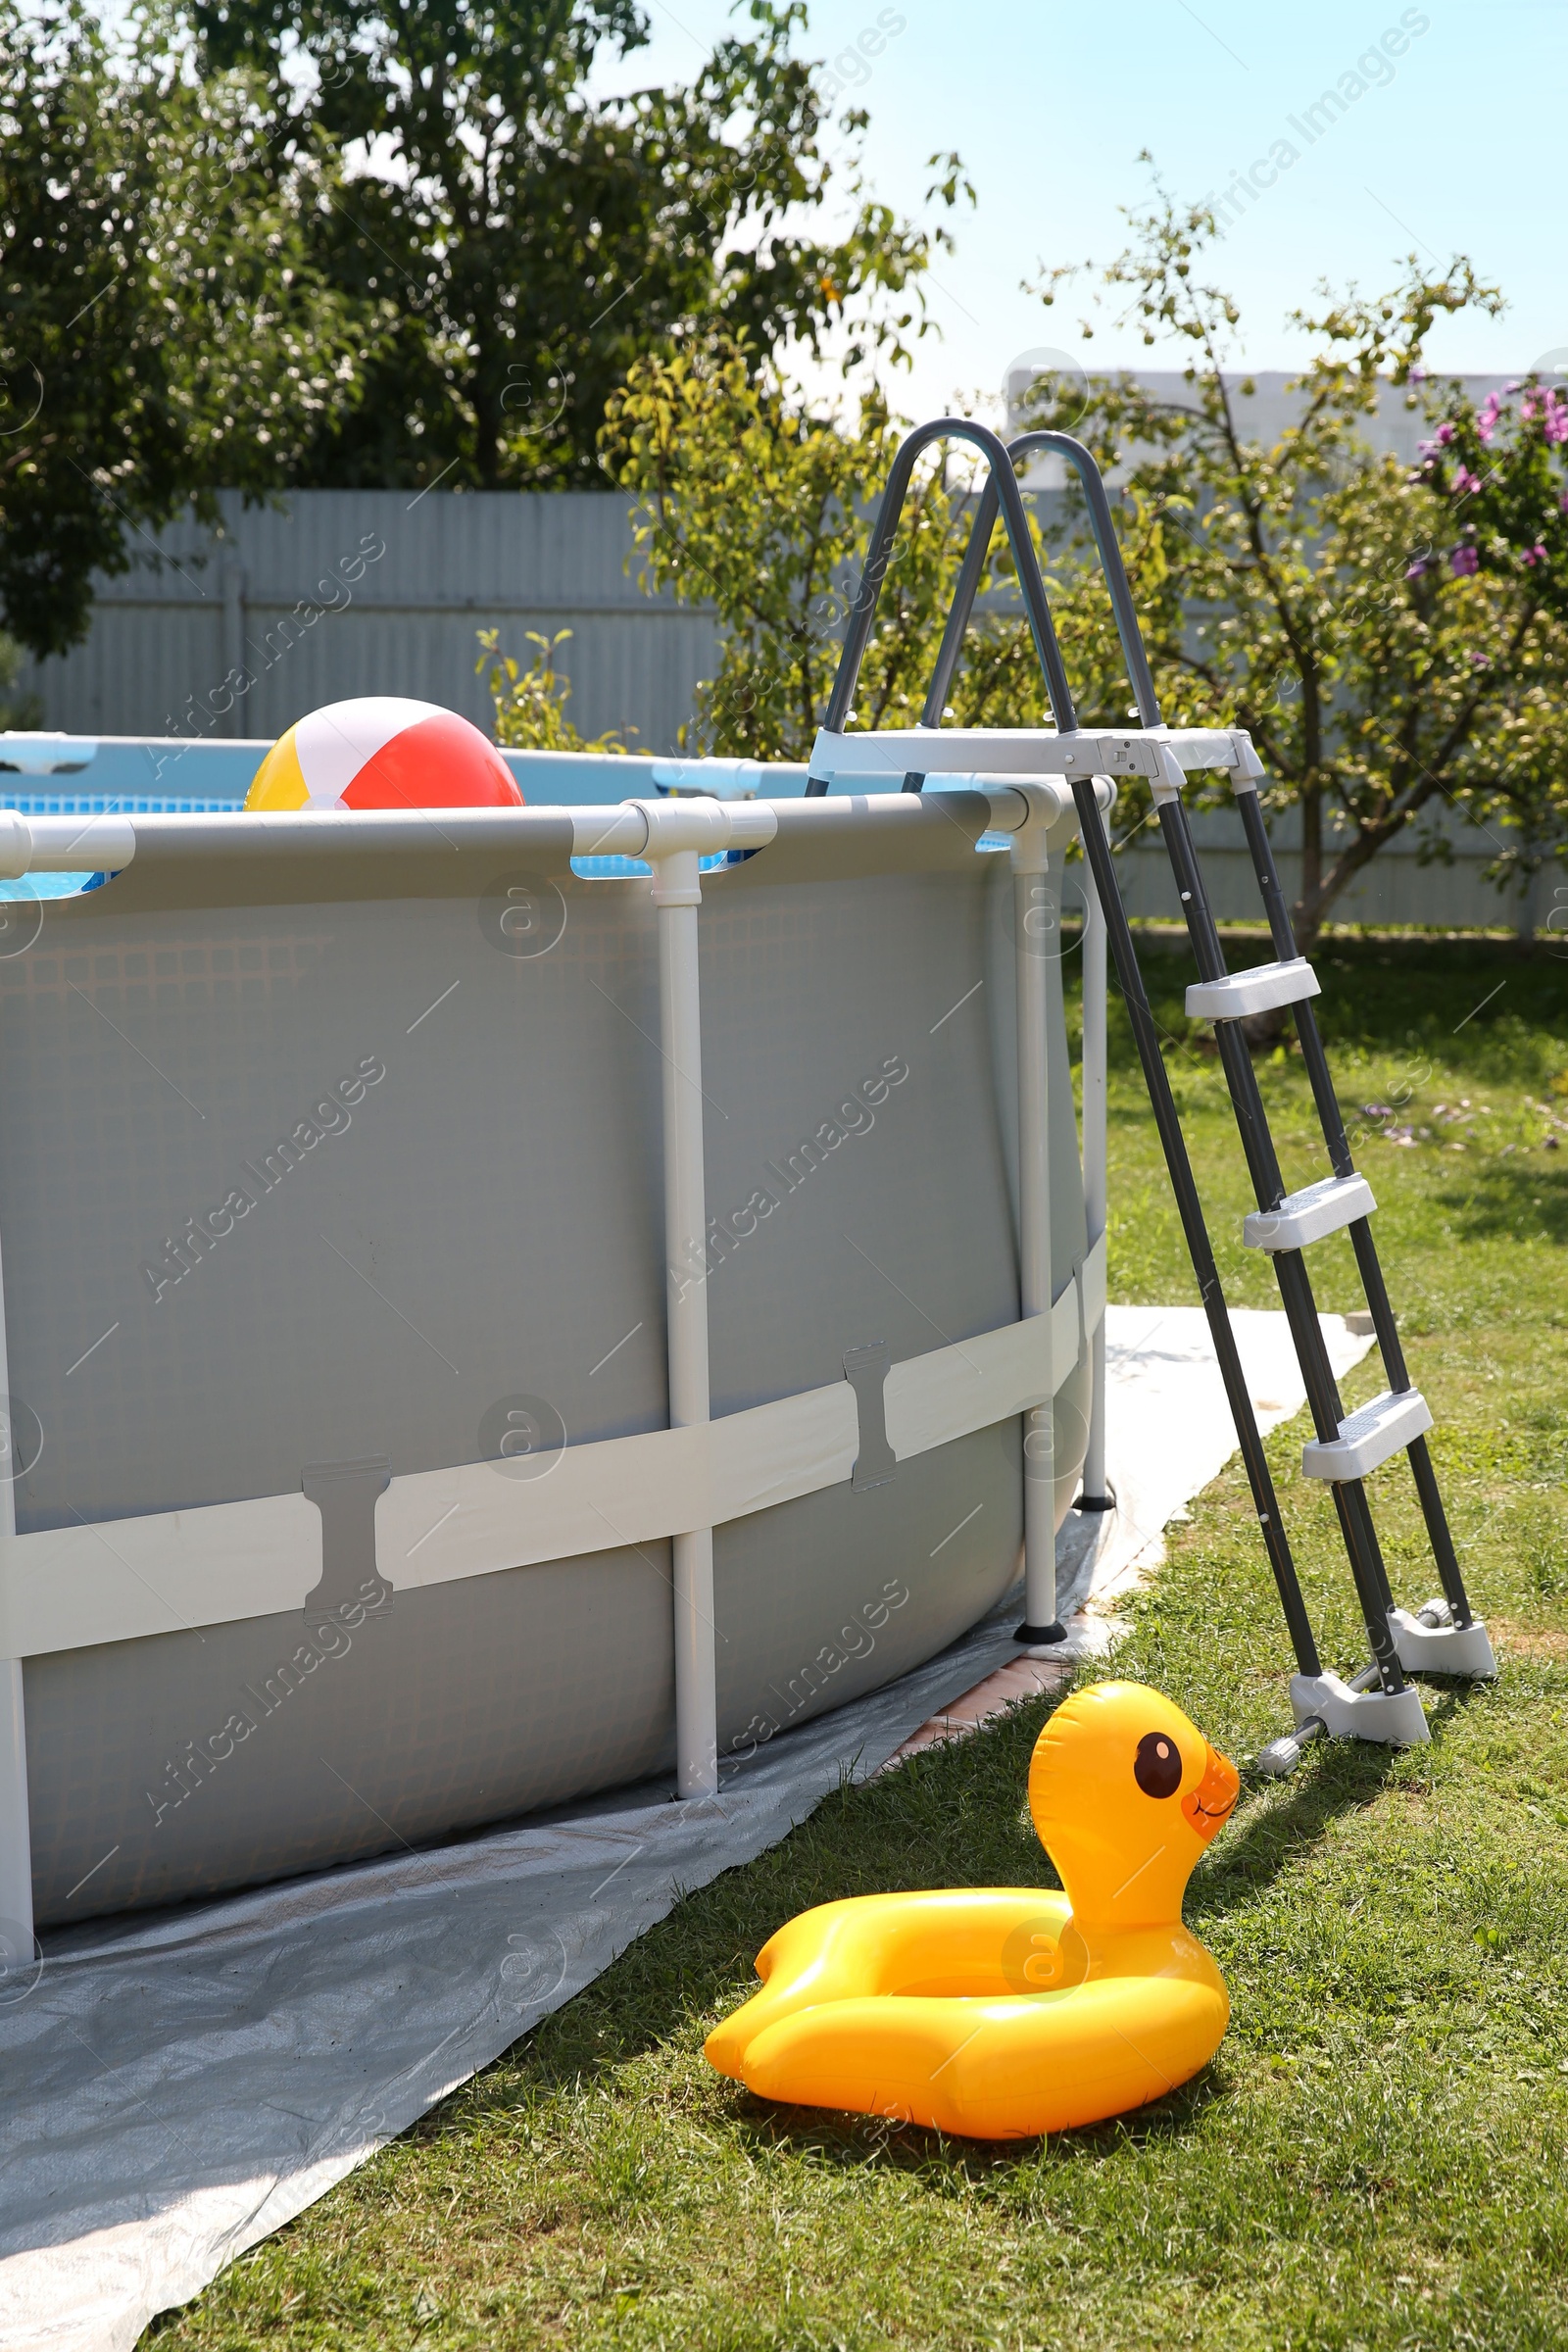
column 236, row 633
column 341, row 592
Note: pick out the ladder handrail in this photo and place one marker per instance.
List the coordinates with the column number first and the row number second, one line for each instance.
column 1108, row 546
column 862, row 611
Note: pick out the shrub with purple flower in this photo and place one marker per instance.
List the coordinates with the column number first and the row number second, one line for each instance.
column 1499, row 468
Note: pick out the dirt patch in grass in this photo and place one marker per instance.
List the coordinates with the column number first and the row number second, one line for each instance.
column 1527, row 1640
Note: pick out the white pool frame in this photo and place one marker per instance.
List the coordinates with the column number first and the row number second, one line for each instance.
column 61, row 1588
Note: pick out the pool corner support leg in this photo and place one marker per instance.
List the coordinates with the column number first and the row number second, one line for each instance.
column 696, row 1689
column 1095, row 1494
column 677, row 895
column 1035, row 941
column 18, row 1947
column 16, row 1833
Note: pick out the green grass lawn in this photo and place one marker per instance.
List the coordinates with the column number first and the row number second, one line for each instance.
column 1377, row 2156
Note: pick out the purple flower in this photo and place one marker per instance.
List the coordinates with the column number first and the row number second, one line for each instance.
column 1536, row 554
column 1463, row 562
column 1418, row 569
column 1554, row 421
column 1464, row 481
column 1563, row 502
column 1444, row 434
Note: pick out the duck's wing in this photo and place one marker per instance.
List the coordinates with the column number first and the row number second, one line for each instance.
column 977, row 1939
column 995, row 2070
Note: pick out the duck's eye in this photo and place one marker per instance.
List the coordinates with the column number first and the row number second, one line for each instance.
column 1158, row 1766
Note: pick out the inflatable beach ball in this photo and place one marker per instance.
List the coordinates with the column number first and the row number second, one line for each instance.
column 382, row 752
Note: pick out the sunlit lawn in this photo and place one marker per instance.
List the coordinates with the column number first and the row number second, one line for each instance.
column 1379, row 2155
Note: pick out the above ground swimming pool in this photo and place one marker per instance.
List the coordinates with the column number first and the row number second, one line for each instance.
column 477, row 1333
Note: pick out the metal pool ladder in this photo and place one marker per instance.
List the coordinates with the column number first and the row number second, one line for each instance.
column 1444, row 1635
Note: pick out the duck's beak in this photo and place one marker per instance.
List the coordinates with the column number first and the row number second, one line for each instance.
column 1210, row 1804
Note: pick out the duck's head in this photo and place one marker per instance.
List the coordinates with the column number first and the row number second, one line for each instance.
column 1126, row 1793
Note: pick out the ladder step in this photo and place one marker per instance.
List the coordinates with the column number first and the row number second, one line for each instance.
column 1260, row 990
column 1369, row 1437
column 1307, row 1216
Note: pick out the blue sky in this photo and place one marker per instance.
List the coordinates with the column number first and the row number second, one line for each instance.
column 1455, row 144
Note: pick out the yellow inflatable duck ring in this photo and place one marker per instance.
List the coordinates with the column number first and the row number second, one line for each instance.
column 998, row 2013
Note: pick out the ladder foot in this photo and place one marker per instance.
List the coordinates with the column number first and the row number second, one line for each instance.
column 1429, row 1643
column 1040, row 1636
column 1095, row 1503
column 1396, row 1719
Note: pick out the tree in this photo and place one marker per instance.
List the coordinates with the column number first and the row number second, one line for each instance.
column 15, row 709
column 1396, row 639
column 752, row 502
column 531, row 704
column 164, row 331
column 536, row 241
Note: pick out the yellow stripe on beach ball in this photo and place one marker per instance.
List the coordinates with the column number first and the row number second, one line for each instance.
column 280, row 781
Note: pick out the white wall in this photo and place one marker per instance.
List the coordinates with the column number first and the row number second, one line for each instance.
column 1262, row 414
column 1401, row 885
